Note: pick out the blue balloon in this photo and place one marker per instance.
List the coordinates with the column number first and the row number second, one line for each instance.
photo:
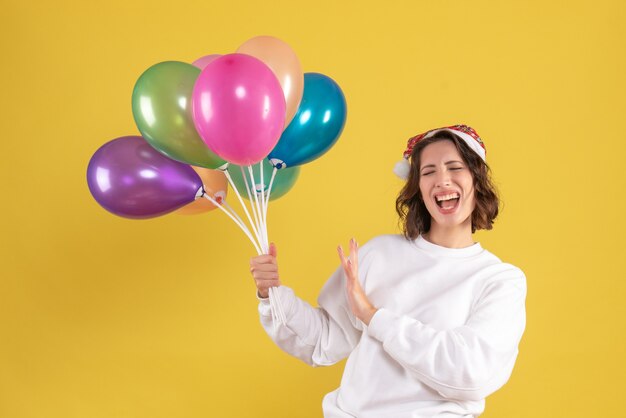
column 316, row 126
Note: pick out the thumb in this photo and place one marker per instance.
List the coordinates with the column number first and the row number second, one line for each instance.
column 273, row 252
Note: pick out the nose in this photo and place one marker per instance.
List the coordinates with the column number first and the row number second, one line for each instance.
column 443, row 179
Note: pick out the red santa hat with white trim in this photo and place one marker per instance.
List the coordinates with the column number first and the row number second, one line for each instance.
column 464, row 132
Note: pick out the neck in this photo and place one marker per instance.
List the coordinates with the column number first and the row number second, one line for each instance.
column 458, row 236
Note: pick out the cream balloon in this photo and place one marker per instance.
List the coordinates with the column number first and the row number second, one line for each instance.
column 285, row 65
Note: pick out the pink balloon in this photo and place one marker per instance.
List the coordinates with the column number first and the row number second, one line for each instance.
column 201, row 63
column 238, row 108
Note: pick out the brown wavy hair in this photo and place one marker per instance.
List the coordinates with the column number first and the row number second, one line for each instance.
column 415, row 218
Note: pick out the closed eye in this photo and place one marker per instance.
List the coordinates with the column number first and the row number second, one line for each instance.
column 427, row 173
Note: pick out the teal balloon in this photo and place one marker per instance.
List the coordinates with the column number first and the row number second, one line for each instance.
column 283, row 182
column 316, row 126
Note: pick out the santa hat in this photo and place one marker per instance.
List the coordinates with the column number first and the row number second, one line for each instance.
column 464, row 132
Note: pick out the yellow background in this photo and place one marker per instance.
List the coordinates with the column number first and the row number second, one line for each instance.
column 106, row 317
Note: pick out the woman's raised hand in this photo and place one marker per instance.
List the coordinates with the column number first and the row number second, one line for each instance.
column 264, row 269
column 360, row 305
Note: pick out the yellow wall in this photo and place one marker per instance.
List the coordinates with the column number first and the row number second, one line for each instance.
column 106, row 317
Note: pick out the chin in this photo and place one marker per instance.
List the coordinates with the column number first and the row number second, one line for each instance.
column 449, row 223
column 456, row 220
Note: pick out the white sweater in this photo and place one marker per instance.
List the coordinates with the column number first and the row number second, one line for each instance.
column 445, row 336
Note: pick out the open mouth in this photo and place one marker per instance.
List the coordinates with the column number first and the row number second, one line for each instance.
column 448, row 201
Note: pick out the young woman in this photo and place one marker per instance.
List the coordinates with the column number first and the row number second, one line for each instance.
column 429, row 320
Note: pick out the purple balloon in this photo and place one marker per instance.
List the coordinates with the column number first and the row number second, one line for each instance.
column 131, row 179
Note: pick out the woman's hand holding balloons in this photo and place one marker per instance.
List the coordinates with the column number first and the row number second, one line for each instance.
column 360, row 305
column 264, row 269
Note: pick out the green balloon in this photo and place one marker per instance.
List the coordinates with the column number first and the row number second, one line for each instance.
column 283, row 182
column 162, row 111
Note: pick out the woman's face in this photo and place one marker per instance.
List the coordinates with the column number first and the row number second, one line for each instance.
column 446, row 184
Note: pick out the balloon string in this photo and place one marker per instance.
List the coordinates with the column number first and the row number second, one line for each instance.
column 260, row 199
column 258, row 210
column 232, row 184
column 243, row 227
column 263, row 211
column 275, row 302
column 269, row 190
column 267, row 200
column 256, row 218
column 231, row 210
column 259, row 206
column 278, row 315
column 276, row 310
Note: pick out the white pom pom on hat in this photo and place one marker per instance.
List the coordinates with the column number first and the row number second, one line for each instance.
column 466, row 133
column 402, row 168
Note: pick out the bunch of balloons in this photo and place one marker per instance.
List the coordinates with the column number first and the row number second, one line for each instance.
column 224, row 119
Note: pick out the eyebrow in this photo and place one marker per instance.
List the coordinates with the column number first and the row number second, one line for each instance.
column 447, row 162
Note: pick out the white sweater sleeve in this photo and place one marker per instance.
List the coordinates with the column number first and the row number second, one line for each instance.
column 318, row 336
column 468, row 362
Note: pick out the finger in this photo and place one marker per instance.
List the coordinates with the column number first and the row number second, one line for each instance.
column 350, row 271
column 342, row 256
column 273, row 251
column 354, row 252
column 265, row 275
column 263, row 259
column 264, row 267
column 266, row 284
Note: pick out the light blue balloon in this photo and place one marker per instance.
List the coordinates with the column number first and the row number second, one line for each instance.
column 316, row 126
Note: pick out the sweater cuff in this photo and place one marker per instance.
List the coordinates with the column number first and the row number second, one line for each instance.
column 381, row 324
column 264, row 306
column 286, row 297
